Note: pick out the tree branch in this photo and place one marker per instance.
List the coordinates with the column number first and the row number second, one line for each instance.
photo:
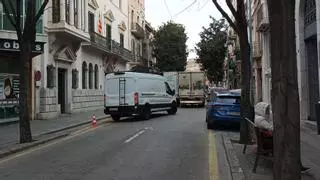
column 230, row 6
column 40, row 11
column 226, row 16
column 18, row 19
column 12, row 20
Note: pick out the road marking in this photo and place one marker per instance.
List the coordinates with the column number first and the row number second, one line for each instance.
column 213, row 163
column 135, row 136
column 70, row 136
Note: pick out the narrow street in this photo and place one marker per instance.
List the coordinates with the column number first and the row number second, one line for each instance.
column 165, row 147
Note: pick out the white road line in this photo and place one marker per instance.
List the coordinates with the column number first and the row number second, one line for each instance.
column 135, row 136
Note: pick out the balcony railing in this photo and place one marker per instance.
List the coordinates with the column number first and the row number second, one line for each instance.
column 257, row 50
column 118, row 49
column 263, row 18
column 137, row 30
column 110, row 46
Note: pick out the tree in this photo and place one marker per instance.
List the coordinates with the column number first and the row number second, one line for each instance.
column 170, row 47
column 26, row 36
column 240, row 27
column 284, row 93
column 211, row 49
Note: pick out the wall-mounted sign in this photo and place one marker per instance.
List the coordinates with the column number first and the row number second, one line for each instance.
column 13, row 45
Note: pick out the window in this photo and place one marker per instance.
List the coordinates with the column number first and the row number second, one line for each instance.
column 133, row 46
column 90, row 76
column 91, row 22
column 84, row 75
column 55, row 11
column 228, row 99
column 108, row 31
column 121, row 40
column 75, row 2
column 67, row 5
column 96, row 77
column 310, row 12
column 5, row 23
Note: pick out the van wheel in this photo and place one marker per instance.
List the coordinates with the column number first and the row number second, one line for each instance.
column 146, row 112
column 173, row 109
column 115, row 117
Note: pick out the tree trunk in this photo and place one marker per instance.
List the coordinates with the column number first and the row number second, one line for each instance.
column 246, row 106
column 24, row 98
column 284, row 94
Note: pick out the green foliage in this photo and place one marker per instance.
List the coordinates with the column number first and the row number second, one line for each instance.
column 211, row 49
column 170, row 47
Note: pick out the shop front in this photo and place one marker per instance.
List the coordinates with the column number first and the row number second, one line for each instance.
column 9, row 78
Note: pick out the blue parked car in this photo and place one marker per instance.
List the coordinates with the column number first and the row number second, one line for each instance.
column 223, row 109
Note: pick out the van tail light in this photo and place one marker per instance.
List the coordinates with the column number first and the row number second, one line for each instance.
column 136, row 98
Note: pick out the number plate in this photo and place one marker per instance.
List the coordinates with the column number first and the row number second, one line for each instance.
column 113, row 109
column 234, row 113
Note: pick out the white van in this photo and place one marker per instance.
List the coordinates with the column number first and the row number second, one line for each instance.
column 133, row 93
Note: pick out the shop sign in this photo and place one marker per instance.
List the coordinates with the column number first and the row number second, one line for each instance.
column 13, row 45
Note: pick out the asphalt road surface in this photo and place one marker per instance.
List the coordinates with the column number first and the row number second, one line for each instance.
column 175, row 147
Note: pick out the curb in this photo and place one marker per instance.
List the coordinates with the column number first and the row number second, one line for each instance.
column 6, row 123
column 235, row 168
column 23, row 147
column 72, row 126
column 310, row 125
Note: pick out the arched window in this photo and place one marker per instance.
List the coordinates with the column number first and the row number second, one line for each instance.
column 84, row 75
column 96, row 77
column 90, row 76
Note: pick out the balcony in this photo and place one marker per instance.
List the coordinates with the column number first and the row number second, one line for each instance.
column 118, row 49
column 257, row 51
column 137, row 30
column 263, row 18
column 110, row 46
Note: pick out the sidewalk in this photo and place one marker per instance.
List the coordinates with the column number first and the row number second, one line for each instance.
column 9, row 134
column 310, row 150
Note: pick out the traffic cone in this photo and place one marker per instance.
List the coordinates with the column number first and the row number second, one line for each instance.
column 94, row 121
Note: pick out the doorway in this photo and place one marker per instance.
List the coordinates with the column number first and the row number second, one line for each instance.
column 313, row 75
column 62, row 89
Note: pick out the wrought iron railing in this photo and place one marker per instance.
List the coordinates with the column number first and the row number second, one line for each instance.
column 110, row 46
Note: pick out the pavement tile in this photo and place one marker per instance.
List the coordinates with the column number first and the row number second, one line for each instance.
column 310, row 148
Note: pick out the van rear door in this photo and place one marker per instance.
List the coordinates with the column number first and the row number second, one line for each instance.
column 119, row 91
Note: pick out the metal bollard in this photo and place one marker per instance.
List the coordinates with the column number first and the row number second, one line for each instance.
column 318, row 116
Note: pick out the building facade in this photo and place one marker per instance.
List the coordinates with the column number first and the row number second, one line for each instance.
column 137, row 24
column 261, row 51
column 86, row 39
column 308, row 55
column 232, row 63
column 9, row 62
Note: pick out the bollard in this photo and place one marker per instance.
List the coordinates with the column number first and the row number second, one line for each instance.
column 318, row 116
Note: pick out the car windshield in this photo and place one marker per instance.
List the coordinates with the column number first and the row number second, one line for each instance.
column 228, row 99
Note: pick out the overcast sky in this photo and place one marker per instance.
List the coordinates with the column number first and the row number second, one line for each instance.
column 193, row 14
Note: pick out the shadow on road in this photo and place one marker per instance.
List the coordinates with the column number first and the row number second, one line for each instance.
column 137, row 118
column 227, row 128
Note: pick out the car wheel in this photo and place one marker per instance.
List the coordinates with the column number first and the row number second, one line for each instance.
column 173, row 109
column 146, row 113
column 115, row 117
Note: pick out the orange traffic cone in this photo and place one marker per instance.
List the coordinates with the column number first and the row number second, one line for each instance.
column 94, row 121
